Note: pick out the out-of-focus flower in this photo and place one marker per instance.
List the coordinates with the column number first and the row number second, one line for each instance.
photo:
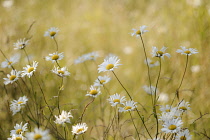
column 29, row 70
column 80, row 128
column 21, row 44
column 116, row 99
column 186, row 51
column 12, row 77
column 52, row 32
column 54, row 57
column 109, row 64
column 8, row 63
column 160, row 53
column 62, row 72
column 140, row 31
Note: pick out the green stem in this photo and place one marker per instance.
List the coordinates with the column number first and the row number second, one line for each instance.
column 134, row 125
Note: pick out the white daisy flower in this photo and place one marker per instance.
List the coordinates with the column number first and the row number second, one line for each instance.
column 109, row 64
column 55, row 57
column 38, row 134
column 15, row 108
column 140, row 31
column 128, row 106
column 172, row 126
column 78, row 129
column 167, row 108
column 52, row 32
column 160, row 53
column 63, row 118
column 116, row 99
column 151, row 63
column 186, row 51
column 80, row 59
column 16, row 105
column 173, row 114
column 29, row 70
column 62, row 72
column 183, row 106
column 183, row 135
column 94, row 92
column 17, row 137
column 101, row 80
column 19, row 129
column 91, row 56
column 8, row 63
column 21, row 44
column 12, row 77
column 148, row 90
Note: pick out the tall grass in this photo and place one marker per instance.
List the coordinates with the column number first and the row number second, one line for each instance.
column 104, row 26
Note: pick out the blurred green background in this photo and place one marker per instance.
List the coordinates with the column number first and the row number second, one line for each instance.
column 104, row 26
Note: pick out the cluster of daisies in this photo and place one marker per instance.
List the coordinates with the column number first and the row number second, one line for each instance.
column 20, row 133
column 171, row 119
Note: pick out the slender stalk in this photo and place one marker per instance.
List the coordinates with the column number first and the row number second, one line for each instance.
column 134, row 125
column 26, row 56
column 86, row 108
column 148, row 69
column 56, row 43
column 59, row 91
column 57, row 63
column 155, row 100
column 177, row 91
column 135, row 106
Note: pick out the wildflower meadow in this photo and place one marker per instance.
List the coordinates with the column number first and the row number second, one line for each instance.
column 104, row 70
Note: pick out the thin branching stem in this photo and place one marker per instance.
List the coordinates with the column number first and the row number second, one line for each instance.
column 135, row 106
column 26, row 56
column 56, row 43
column 85, row 109
column 148, row 69
column 134, row 125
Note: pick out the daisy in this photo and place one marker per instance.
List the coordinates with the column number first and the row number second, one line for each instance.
column 19, row 129
column 186, row 51
column 8, row 63
column 116, row 99
column 140, row 31
column 172, row 126
column 167, row 108
column 52, row 32
column 21, row 44
column 94, row 92
column 184, row 106
column 128, row 106
column 63, row 118
column 29, row 70
column 160, row 53
column 78, row 129
column 183, row 135
column 62, row 72
column 151, row 63
column 16, row 105
column 173, row 114
column 147, row 89
column 54, row 57
column 101, row 80
column 91, row 56
column 12, row 77
column 109, row 64
column 17, row 137
column 38, row 134
column 80, row 59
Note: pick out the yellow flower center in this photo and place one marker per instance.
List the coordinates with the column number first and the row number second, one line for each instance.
column 10, row 62
column 37, row 136
column 102, row 81
column 30, row 69
column 60, row 72
column 18, row 138
column 183, row 138
column 116, row 100
column 187, row 52
column 18, row 131
column 168, row 110
column 12, row 77
column 79, row 130
column 20, row 102
column 93, row 92
column 159, row 53
column 183, row 108
column 52, row 33
column 109, row 66
column 55, row 57
column 127, row 107
column 152, row 62
column 22, row 46
column 172, row 127
column 138, row 32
